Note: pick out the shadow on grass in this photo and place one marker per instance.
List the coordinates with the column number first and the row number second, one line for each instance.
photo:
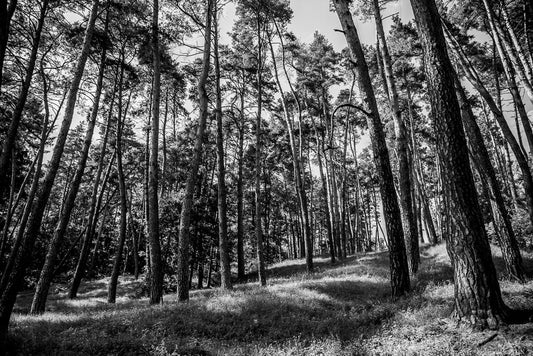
column 346, row 301
column 310, row 312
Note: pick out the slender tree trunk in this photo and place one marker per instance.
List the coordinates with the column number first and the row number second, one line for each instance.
column 225, row 271
column 113, row 281
column 185, row 220
column 9, row 141
column 16, row 269
column 528, row 27
column 329, row 223
column 404, row 179
column 45, row 279
column 478, row 298
column 37, row 175
column 7, row 9
column 92, row 262
column 300, row 190
column 95, row 202
column 509, row 245
column 156, row 280
column 521, row 159
column 398, row 259
column 258, row 166
column 507, row 52
column 240, row 202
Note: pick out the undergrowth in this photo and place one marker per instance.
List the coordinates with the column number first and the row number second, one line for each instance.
column 341, row 309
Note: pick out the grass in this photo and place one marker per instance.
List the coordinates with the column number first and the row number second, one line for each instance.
column 341, row 309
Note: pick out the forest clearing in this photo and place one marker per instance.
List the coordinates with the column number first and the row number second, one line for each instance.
column 225, row 177
column 340, row 309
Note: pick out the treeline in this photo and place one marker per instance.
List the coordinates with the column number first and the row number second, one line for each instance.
column 120, row 156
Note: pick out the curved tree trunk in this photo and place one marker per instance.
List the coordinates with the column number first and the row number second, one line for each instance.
column 509, row 245
column 404, row 178
column 156, row 280
column 113, row 281
column 521, row 159
column 95, row 203
column 16, row 269
column 185, row 220
column 45, row 278
column 225, row 269
column 398, row 259
column 300, row 190
column 258, row 167
column 9, row 141
column 478, row 297
column 7, row 9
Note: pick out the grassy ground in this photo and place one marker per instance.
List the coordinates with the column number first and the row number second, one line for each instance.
column 345, row 309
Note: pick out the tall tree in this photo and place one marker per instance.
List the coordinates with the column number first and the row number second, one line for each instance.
column 156, row 280
column 400, row 282
column 7, row 9
column 225, row 268
column 192, row 177
column 478, row 297
column 9, row 141
column 15, row 271
column 404, row 179
column 41, row 291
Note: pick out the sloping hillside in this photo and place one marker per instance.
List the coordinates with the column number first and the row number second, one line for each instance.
column 342, row 309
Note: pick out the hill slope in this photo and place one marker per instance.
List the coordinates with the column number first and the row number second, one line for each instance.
column 344, row 309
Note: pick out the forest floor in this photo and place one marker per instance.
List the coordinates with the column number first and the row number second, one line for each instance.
column 341, row 309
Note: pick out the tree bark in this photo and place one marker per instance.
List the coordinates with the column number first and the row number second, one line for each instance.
column 508, row 244
column 7, row 9
column 185, row 220
column 113, row 280
column 156, row 280
column 404, row 179
column 225, row 270
column 11, row 281
column 261, row 270
column 300, row 190
column 478, row 297
column 398, row 259
column 521, row 159
column 9, row 141
column 45, row 278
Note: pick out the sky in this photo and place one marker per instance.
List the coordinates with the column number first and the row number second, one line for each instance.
column 314, row 15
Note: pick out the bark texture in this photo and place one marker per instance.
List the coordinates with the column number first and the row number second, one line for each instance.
column 477, row 292
column 400, row 282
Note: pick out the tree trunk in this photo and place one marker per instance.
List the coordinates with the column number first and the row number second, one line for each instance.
column 329, row 223
column 240, row 200
column 404, row 179
column 398, row 259
column 185, row 220
column 509, row 245
column 296, row 164
column 6, row 13
column 477, row 292
column 113, row 281
column 521, row 159
column 45, row 279
column 9, row 141
column 258, row 167
column 225, row 271
column 156, row 280
column 11, row 281
column 94, row 206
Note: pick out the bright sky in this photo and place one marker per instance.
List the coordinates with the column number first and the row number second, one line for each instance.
column 314, row 15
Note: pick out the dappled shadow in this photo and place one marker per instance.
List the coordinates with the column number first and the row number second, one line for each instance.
column 349, row 301
column 312, row 311
column 91, row 294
